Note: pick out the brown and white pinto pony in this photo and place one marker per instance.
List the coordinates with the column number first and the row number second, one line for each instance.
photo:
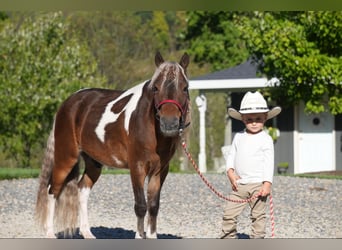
column 136, row 129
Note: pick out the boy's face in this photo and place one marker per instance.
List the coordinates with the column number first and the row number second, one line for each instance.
column 254, row 122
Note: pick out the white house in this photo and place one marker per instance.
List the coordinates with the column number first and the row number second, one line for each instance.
column 309, row 143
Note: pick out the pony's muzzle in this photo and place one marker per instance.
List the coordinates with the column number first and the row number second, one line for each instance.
column 169, row 126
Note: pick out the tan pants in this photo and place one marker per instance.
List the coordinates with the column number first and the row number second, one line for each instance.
column 232, row 210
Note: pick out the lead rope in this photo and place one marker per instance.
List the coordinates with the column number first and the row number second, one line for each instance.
column 220, row 195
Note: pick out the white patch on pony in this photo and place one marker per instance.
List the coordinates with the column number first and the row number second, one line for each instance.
column 117, row 161
column 150, row 235
column 109, row 117
column 138, row 236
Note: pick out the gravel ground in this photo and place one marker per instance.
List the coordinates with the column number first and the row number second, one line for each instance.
column 303, row 208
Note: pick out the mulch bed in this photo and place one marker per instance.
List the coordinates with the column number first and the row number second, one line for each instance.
column 336, row 172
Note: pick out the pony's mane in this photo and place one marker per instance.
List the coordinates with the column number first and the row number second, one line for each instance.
column 168, row 71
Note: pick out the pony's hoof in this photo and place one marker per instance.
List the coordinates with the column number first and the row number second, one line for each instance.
column 139, row 236
column 50, row 235
column 151, row 236
column 87, row 234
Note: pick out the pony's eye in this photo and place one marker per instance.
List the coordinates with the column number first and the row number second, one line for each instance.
column 154, row 89
column 185, row 89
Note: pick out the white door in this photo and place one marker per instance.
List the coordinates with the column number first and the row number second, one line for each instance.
column 316, row 144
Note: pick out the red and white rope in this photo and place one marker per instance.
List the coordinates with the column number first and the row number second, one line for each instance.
column 272, row 215
column 220, row 195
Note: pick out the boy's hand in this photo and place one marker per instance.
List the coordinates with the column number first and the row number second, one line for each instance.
column 265, row 189
column 233, row 179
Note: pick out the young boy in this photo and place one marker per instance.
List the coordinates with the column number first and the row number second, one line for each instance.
column 250, row 164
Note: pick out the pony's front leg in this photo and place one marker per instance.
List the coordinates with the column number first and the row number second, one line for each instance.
column 140, row 234
column 140, row 209
column 153, row 196
column 140, row 206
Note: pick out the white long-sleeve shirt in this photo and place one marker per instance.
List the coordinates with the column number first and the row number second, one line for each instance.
column 252, row 157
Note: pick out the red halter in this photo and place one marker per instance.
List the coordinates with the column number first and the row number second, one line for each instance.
column 184, row 111
column 173, row 102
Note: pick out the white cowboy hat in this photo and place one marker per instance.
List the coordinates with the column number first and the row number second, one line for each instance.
column 253, row 103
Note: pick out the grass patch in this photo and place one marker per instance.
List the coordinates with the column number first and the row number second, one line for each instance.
column 22, row 173
column 18, row 173
column 114, row 171
column 320, row 176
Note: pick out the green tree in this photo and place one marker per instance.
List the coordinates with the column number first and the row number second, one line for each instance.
column 124, row 42
column 303, row 50
column 40, row 65
column 114, row 40
column 3, row 17
column 160, row 29
column 214, row 39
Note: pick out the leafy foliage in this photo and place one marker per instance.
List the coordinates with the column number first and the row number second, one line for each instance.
column 214, row 39
column 124, row 43
column 301, row 49
column 40, row 66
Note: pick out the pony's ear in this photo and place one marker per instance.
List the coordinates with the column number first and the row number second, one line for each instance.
column 184, row 61
column 158, row 59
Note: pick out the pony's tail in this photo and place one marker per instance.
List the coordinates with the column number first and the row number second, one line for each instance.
column 67, row 203
column 44, row 180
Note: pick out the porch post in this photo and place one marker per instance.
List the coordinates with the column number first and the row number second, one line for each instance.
column 201, row 102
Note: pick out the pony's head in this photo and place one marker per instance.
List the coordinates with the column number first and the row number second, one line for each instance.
column 169, row 85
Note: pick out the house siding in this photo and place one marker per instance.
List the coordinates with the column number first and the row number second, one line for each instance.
column 283, row 147
column 338, row 140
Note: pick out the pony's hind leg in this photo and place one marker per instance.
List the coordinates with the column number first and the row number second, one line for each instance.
column 48, row 227
column 91, row 174
column 63, row 192
column 64, row 181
